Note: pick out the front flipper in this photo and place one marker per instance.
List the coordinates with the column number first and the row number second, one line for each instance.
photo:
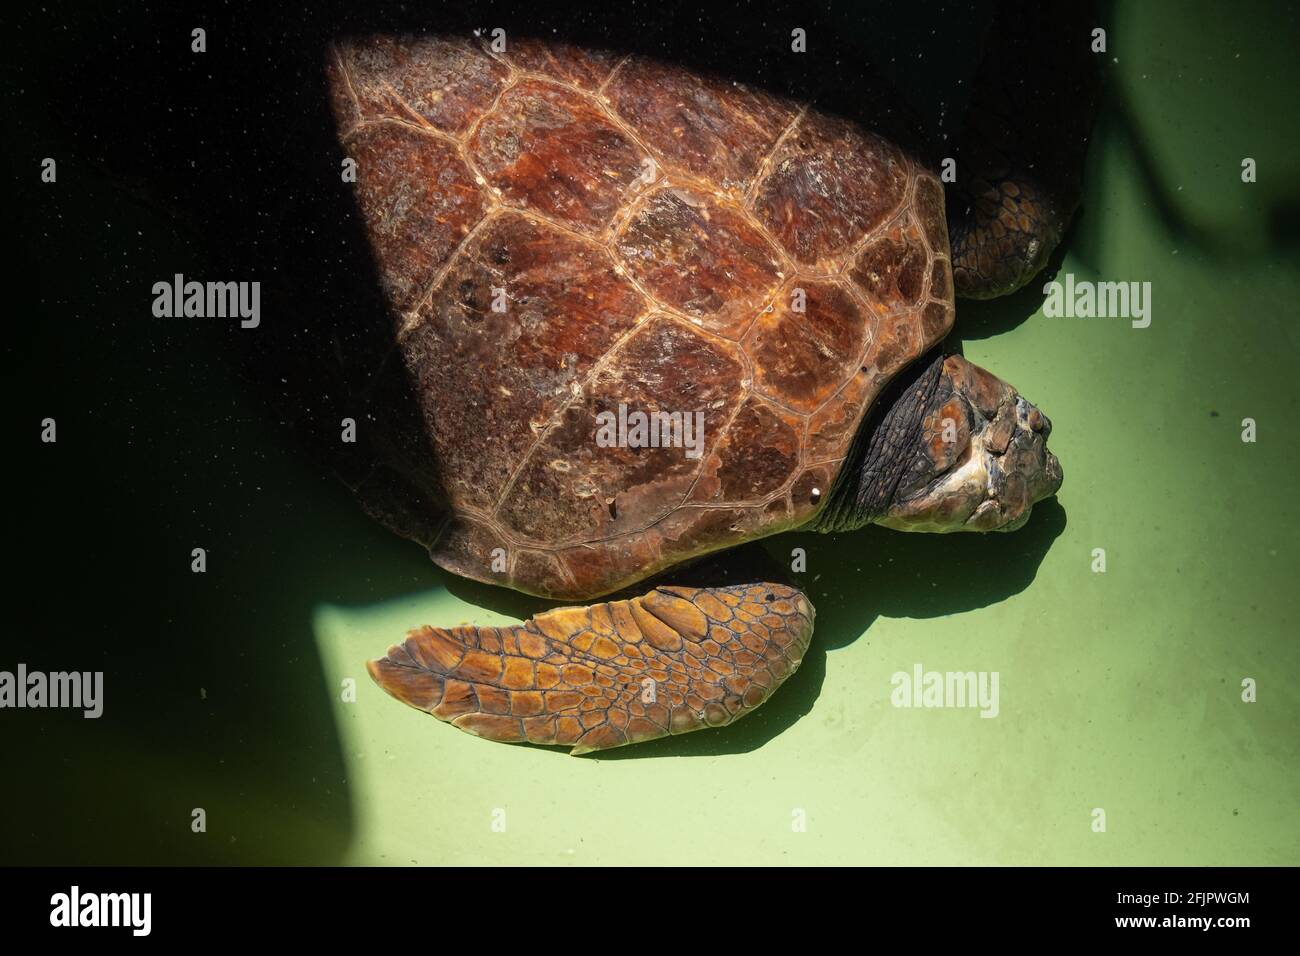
column 669, row 662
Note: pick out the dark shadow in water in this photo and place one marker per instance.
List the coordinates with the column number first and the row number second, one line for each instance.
column 1222, row 242
column 985, row 318
column 497, row 599
column 1284, row 223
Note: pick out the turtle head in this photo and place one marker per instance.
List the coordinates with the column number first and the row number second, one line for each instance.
column 981, row 460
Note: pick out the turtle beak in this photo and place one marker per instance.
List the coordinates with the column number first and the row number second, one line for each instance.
column 1022, row 473
column 1052, row 473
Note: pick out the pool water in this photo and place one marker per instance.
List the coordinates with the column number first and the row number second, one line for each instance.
column 243, row 691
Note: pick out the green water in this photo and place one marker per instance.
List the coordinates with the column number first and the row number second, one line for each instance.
column 1119, row 690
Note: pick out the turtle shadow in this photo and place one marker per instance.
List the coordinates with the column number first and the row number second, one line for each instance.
column 498, row 599
column 987, row 318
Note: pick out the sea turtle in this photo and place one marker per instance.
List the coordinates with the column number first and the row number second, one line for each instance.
column 576, row 244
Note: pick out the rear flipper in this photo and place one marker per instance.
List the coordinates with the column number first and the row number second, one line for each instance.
column 669, row 662
column 1021, row 152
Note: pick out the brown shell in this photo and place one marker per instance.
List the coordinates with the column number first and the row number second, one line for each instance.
column 651, row 233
